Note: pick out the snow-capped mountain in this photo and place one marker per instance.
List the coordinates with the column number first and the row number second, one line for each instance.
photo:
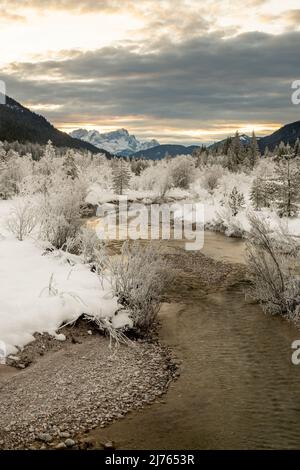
column 118, row 142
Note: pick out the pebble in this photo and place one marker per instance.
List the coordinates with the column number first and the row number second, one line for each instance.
column 60, row 337
column 70, row 443
column 109, row 445
column 88, row 442
column 44, row 437
column 61, row 445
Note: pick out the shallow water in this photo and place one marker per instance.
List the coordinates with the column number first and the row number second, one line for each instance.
column 219, row 247
column 238, row 387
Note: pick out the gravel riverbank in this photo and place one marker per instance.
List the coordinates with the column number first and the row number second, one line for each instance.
column 78, row 387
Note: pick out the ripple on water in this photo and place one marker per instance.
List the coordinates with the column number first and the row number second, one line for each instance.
column 238, row 388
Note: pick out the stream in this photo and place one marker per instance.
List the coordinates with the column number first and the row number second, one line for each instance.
column 238, row 388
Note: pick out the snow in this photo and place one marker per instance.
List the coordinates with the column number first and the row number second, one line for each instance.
column 218, row 217
column 116, row 142
column 97, row 195
column 29, row 306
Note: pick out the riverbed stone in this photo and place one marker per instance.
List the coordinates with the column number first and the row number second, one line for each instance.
column 70, row 443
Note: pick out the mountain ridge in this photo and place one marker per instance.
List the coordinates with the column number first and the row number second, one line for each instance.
column 18, row 123
column 288, row 134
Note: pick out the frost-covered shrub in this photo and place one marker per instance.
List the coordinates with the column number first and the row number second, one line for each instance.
column 211, row 177
column 156, row 178
column 163, row 183
column 87, row 244
column 273, row 263
column 139, row 278
column 22, row 218
column 59, row 211
column 182, row 170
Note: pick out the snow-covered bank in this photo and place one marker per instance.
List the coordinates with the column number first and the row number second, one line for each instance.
column 214, row 187
column 221, row 220
column 27, row 303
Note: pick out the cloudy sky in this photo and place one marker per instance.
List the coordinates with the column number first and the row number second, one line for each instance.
column 186, row 71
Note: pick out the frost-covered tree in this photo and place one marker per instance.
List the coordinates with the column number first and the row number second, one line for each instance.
column 264, row 185
column 297, row 148
column 139, row 165
column 258, row 193
column 253, row 151
column 69, row 165
column 267, row 152
column 46, row 167
column 236, row 151
column 121, row 176
column 227, row 145
column 2, row 151
column 3, row 191
column 47, row 160
column 49, row 151
column 12, row 171
column 201, row 157
column 236, row 201
column 281, row 150
column 231, row 161
column 288, row 184
column 22, row 218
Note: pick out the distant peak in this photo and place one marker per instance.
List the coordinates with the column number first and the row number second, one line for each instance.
column 118, row 142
